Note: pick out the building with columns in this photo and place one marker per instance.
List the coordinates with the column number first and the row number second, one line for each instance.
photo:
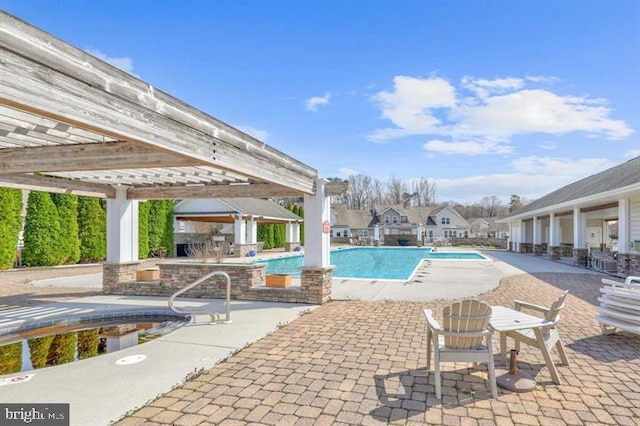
column 600, row 213
column 243, row 213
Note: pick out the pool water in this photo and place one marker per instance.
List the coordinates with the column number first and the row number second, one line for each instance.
column 40, row 348
column 371, row 262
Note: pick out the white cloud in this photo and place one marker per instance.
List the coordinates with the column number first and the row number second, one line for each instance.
column 470, row 189
column 496, row 111
column 410, row 105
column 560, row 166
column 345, row 172
column 314, row 102
column 261, row 135
column 125, row 64
column 632, row 153
column 467, row 148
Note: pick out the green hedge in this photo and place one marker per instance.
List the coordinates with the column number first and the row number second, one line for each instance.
column 68, row 239
column 41, row 232
column 143, row 230
column 10, row 225
column 92, row 224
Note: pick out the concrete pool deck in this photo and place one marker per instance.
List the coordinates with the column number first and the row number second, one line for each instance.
column 89, row 384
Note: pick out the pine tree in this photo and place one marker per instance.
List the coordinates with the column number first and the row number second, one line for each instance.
column 143, row 230
column 41, row 231
column 92, row 224
column 10, row 225
column 68, row 239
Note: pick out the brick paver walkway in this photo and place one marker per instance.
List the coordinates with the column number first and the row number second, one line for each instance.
column 362, row 363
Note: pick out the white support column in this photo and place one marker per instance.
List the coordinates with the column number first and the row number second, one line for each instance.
column 553, row 230
column 122, row 228
column 623, row 226
column 252, row 231
column 419, row 233
column 536, row 231
column 289, row 233
column 579, row 229
column 239, row 230
column 522, row 233
column 317, row 211
column 296, row 232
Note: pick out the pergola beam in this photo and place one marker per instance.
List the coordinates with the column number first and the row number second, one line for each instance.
column 94, row 156
column 254, row 190
column 60, row 186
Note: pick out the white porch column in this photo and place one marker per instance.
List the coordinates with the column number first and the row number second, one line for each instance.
column 122, row 228
column 623, row 226
column 579, row 229
column 239, row 230
column 289, row 238
column 317, row 211
column 553, row 230
column 522, row 233
column 252, row 231
column 419, row 233
column 296, row 232
column 536, row 231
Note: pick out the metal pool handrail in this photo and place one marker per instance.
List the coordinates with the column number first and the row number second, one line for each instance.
column 215, row 317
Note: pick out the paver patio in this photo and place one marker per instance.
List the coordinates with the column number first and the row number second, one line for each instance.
column 362, row 363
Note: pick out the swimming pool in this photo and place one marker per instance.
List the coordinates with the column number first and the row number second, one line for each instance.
column 371, row 262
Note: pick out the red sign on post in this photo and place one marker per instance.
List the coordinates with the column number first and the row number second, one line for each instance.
column 326, row 227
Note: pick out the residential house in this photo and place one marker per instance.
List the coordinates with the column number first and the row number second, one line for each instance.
column 419, row 224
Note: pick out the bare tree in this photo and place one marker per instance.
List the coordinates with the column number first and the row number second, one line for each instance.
column 491, row 205
column 425, row 190
column 396, row 190
column 358, row 195
column 377, row 192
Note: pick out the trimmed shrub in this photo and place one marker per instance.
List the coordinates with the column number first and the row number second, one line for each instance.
column 62, row 349
column 143, row 230
column 10, row 225
column 68, row 239
column 41, row 231
column 88, row 341
column 11, row 358
column 39, row 349
column 92, row 224
column 167, row 237
column 279, row 235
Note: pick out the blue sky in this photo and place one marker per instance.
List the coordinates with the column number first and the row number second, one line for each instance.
column 485, row 98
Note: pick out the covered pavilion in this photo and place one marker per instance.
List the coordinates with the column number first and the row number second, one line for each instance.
column 71, row 123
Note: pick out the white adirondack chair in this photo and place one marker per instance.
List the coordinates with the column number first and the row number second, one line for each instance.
column 464, row 337
column 544, row 338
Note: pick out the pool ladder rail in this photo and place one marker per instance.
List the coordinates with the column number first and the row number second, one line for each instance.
column 196, row 317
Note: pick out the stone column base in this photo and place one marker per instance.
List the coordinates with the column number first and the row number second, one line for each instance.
column 555, row 252
column 580, row 256
column 316, row 284
column 242, row 250
column 537, row 249
column 114, row 273
column 291, row 246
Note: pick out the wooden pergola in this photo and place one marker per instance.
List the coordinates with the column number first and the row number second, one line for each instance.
column 71, row 123
column 74, row 124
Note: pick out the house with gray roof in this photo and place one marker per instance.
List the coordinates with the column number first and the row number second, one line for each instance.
column 598, row 214
column 396, row 222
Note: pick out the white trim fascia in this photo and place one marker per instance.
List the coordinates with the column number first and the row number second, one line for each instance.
column 578, row 202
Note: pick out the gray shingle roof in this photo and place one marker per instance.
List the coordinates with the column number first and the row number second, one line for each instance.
column 622, row 175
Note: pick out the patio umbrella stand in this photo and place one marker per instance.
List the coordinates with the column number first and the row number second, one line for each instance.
column 514, row 379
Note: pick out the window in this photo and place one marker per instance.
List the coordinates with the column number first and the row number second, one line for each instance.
column 338, row 234
column 466, row 234
column 386, row 219
column 363, row 232
column 404, row 219
column 395, row 219
column 446, row 221
column 394, row 232
column 430, row 234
